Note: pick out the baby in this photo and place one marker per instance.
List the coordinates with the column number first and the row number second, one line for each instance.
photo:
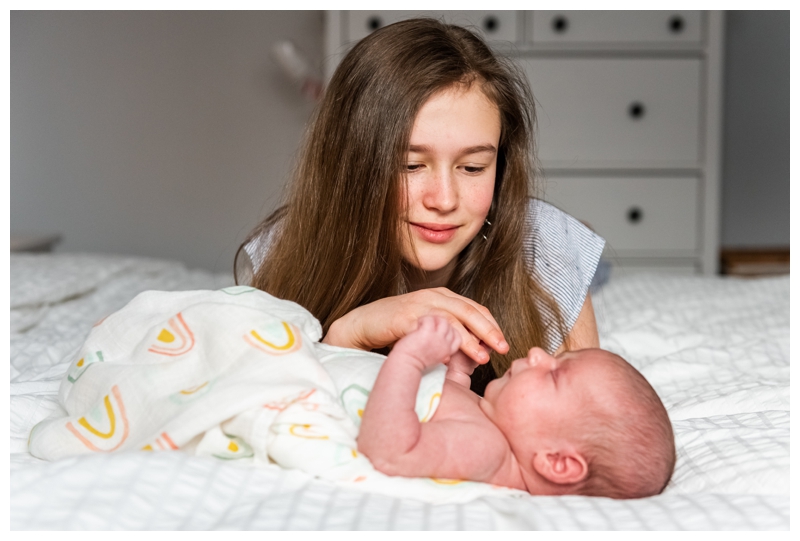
column 583, row 422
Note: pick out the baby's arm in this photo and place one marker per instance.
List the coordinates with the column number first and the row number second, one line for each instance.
column 390, row 429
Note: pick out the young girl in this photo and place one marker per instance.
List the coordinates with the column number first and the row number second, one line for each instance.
column 412, row 197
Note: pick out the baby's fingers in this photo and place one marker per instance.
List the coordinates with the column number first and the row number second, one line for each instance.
column 453, row 338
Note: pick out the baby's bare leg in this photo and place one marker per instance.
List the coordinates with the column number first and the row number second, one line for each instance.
column 433, row 342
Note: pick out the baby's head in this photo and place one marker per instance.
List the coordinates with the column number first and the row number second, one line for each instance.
column 584, row 422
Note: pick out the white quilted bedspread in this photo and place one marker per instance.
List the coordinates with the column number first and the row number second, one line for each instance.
column 716, row 350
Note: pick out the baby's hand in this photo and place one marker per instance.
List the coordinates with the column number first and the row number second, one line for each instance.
column 433, row 342
column 462, row 364
column 460, row 368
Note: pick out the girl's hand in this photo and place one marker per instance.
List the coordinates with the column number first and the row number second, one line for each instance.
column 385, row 321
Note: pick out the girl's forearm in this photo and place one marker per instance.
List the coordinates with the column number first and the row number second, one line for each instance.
column 344, row 333
column 336, row 336
column 348, row 332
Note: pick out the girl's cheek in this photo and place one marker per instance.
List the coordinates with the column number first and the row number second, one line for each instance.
column 405, row 199
column 483, row 198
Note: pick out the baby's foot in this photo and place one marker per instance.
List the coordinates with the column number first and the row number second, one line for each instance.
column 433, row 342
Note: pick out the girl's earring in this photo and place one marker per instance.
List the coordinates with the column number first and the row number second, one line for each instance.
column 486, row 222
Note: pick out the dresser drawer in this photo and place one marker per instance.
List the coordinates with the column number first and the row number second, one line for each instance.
column 494, row 25
column 616, row 112
column 636, row 215
column 615, row 27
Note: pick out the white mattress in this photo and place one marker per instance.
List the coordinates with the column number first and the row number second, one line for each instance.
column 716, row 350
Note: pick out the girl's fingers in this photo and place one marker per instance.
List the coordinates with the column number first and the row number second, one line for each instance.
column 481, row 308
column 482, row 327
column 383, row 322
column 470, row 345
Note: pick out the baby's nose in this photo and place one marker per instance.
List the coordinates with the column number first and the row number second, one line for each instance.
column 537, row 356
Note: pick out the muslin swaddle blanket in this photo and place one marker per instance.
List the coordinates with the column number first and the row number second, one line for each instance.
column 234, row 374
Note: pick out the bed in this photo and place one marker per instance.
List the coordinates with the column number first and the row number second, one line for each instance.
column 715, row 349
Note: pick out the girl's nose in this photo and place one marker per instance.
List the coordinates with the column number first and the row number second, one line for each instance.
column 441, row 192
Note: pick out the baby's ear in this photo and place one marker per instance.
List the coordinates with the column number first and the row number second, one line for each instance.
column 561, row 467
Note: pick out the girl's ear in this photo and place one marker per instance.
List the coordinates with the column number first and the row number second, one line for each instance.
column 561, row 467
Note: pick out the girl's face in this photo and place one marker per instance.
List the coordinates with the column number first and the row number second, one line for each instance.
column 450, row 167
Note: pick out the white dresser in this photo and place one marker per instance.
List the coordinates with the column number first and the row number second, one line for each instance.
column 629, row 105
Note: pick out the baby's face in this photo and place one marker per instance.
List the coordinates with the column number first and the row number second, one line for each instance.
column 540, row 397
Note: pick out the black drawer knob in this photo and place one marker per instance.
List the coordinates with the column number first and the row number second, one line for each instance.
column 636, row 110
column 491, row 24
column 560, row 24
column 373, row 23
column 676, row 24
column 635, row 215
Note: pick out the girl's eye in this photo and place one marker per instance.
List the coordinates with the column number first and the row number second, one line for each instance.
column 474, row 169
column 413, row 166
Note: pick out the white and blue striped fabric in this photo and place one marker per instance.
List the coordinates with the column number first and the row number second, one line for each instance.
column 562, row 254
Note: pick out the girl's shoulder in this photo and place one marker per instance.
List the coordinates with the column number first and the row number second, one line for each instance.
column 253, row 253
column 562, row 254
column 553, row 237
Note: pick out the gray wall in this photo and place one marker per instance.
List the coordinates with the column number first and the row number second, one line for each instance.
column 166, row 134
column 169, row 134
column 755, row 181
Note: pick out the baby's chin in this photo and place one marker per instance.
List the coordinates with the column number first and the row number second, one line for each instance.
column 494, row 387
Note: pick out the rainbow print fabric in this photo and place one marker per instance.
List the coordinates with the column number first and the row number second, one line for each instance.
column 234, row 374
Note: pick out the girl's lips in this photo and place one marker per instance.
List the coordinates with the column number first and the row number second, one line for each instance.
column 435, row 233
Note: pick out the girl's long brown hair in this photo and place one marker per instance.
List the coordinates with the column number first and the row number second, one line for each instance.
column 336, row 242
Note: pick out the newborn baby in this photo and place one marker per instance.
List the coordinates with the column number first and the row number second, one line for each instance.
column 584, row 422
